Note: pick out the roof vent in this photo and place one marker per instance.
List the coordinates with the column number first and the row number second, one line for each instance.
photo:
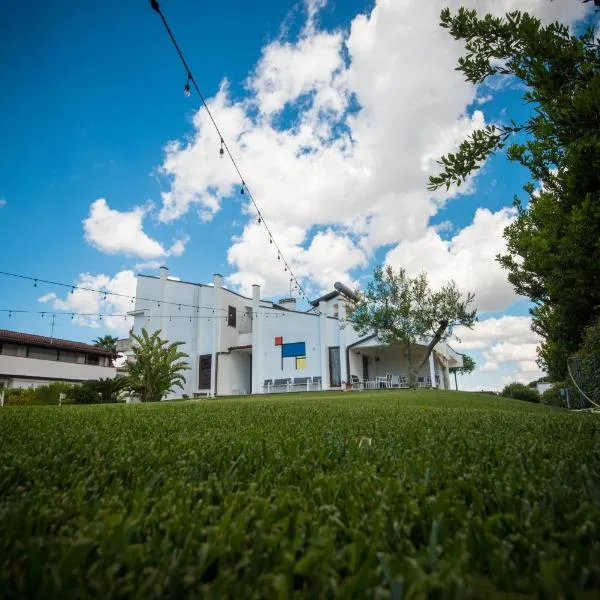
column 289, row 303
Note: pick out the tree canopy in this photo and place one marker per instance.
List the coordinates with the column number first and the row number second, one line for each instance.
column 404, row 310
column 553, row 246
column 156, row 367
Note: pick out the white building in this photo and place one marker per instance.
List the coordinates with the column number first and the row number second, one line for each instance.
column 241, row 345
column 28, row 361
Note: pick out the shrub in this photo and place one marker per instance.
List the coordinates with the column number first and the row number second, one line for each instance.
column 19, row 396
column 518, row 391
column 553, row 395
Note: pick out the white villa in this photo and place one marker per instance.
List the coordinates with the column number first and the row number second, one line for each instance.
column 241, row 345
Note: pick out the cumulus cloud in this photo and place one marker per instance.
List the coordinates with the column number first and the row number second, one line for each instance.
column 468, row 258
column 93, row 304
column 507, row 344
column 366, row 113
column 3, row 202
column 114, row 232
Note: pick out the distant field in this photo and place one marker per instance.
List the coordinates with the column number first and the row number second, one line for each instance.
column 394, row 494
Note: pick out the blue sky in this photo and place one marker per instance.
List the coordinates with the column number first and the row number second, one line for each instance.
column 92, row 95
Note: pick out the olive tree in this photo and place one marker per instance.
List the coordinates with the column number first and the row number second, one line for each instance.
column 403, row 310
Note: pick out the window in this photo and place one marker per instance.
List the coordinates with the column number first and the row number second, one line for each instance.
column 9, row 349
column 204, row 371
column 231, row 316
column 43, row 353
column 70, row 357
column 92, row 359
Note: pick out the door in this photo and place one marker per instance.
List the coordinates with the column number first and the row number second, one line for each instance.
column 365, row 361
column 204, row 369
column 335, row 379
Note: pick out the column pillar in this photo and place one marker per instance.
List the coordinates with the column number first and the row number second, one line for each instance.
column 343, row 355
column 164, row 274
column 257, row 351
column 432, row 369
column 217, row 318
column 323, row 346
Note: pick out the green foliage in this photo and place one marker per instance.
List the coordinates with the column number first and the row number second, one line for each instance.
column 43, row 394
column 108, row 342
column 109, row 390
column 468, row 366
column 156, row 367
column 519, row 391
column 400, row 310
column 553, row 396
column 372, row 495
column 552, row 247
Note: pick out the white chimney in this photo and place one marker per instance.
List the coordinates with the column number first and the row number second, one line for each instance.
column 164, row 273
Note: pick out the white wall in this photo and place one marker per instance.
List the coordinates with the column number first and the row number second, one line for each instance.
column 23, row 368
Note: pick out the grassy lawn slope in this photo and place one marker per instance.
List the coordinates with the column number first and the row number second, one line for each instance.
column 368, row 495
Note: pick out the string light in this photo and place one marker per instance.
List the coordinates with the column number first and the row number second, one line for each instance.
column 244, row 188
column 70, row 286
column 186, row 89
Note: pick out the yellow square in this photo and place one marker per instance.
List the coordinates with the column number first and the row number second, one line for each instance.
column 301, row 362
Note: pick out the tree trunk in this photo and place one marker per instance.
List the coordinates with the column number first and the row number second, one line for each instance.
column 437, row 336
column 412, row 379
column 455, row 381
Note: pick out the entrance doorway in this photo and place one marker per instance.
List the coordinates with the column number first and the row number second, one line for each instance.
column 335, row 379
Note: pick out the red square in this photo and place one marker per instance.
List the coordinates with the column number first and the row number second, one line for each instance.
column 279, row 341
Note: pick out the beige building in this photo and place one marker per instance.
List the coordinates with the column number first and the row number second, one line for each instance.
column 28, row 361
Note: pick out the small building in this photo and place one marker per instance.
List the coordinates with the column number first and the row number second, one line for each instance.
column 248, row 345
column 28, row 361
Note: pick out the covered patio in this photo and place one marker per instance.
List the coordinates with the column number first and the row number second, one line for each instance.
column 373, row 365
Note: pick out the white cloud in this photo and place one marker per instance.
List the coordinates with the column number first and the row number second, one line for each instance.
column 362, row 171
column 468, row 258
column 113, row 232
column 515, row 329
column 3, row 202
column 94, row 304
column 508, row 350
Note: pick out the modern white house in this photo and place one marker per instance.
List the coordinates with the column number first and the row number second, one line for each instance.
column 241, row 345
column 28, row 361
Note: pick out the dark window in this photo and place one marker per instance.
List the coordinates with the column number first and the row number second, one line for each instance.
column 92, row 359
column 231, row 316
column 204, row 368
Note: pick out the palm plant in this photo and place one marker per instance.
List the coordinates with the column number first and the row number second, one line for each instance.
column 107, row 342
column 155, row 368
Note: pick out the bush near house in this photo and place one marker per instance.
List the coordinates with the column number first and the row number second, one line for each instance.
column 519, row 391
column 334, row 495
column 44, row 394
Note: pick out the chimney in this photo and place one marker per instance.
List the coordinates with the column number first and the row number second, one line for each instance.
column 164, row 273
column 289, row 303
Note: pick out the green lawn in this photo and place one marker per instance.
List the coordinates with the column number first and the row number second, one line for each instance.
column 456, row 495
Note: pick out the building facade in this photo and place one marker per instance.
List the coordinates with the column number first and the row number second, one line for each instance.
column 28, row 361
column 241, row 345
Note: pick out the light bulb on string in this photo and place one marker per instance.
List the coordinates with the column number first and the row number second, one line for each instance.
column 270, row 240
column 186, row 89
column 242, row 188
column 9, row 314
column 259, row 220
column 222, row 150
column 72, row 290
column 35, row 283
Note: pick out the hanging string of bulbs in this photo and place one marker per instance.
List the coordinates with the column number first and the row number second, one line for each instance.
column 106, row 293
column 224, row 148
column 101, row 315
